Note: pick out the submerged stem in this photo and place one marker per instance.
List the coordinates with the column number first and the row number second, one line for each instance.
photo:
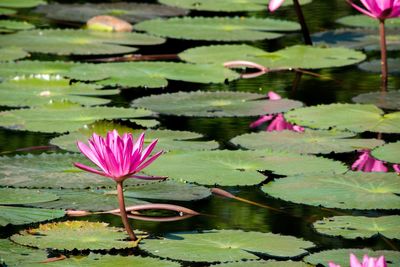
column 124, row 217
column 384, row 65
column 302, row 21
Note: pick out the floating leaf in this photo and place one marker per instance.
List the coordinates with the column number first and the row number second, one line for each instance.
column 307, row 142
column 12, row 53
column 77, row 42
column 35, row 92
column 146, row 123
column 367, row 22
column 21, row 3
column 131, row 12
column 231, row 168
column 269, row 263
column 151, row 74
column 52, row 171
column 20, row 215
column 225, row 245
column 214, row 104
column 7, row 12
column 375, row 66
column 63, row 118
column 353, row 190
column 341, row 256
column 224, row 5
column 35, row 69
column 298, row 56
column 13, row 25
column 217, row 28
column 14, row 255
column 11, row 196
column 389, row 152
column 63, row 236
column 363, row 118
column 386, row 100
column 359, row 226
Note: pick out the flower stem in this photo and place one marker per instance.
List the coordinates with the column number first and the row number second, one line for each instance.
column 124, row 217
column 302, row 21
column 384, row 65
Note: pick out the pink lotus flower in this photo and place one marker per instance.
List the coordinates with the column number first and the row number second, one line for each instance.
column 379, row 9
column 367, row 163
column 274, row 4
column 367, row 262
column 396, row 168
column 278, row 122
column 118, row 157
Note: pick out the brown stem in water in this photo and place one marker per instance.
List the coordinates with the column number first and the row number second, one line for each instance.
column 384, row 66
column 302, row 21
column 124, row 217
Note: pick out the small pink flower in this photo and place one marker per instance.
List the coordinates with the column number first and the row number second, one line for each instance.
column 331, row 264
column 118, row 157
column 379, row 9
column 396, row 168
column 367, row 262
column 274, row 4
column 367, row 163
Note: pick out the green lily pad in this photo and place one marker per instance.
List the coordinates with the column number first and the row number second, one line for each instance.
column 131, row 12
column 353, row 190
column 298, row 56
column 63, row 117
column 389, row 152
column 89, row 200
column 20, row 256
column 225, row 245
column 52, row 171
column 20, row 215
column 363, row 118
column 13, row 25
column 226, row 29
column 151, row 74
column 214, row 104
column 367, row 22
column 269, row 263
column 359, row 226
column 7, row 12
column 224, row 5
column 386, row 100
column 63, row 236
column 21, row 3
column 35, row 69
column 342, row 258
column 146, row 123
column 35, row 92
column 231, row 168
column 77, row 42
column 12, row 53
column 375, row 66
column 307, row 142
column 11, row 196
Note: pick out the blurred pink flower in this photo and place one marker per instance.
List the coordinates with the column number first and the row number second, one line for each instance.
column 378, row 9
column 396, row 168
column 278, row 122
column 367, row 262
column 118, row 157
column 367, row 163
column 274, row 4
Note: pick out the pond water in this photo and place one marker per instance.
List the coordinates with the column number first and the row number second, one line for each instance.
column 334, row 85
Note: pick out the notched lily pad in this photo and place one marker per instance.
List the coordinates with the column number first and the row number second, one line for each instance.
column 269, row 263
column 63, row 236
column 14, row 255
column 35, row 69
column 307, row 142
column 353, row 190
column 12, row 53
column 226, row 29
column 22, row 215
column 389, row 152
column 214, row 104
column 367, row 22
column 225, row 245
column 359, row 226
column 385, row 100
column 375, row 66
column 12, row 196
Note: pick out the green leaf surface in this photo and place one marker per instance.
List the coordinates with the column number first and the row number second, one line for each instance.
column 15, row 196
column 307, row 142
column 21, row 3
column 63, row 236
column 214, row 104
column 20, row 256
column 52, row 171
column 354, row 190
column 151, row 74
column 269, row 263
column 21, row 215
column 389, row 152
column 35, row 69
column 385, row 100
column 224, row 5
column 298, row 56
column 231, row 168
column 363, row 118
column 61, row 118
column 228, row 29
column 77, row 42
column 131, row 12
column 352, row 227
column 375, row 66
column 342, row 258
column 14, row 25
column 34, row 92
column 225, row 245
column 367, row 22
column 7, row 12
column 12, row 53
